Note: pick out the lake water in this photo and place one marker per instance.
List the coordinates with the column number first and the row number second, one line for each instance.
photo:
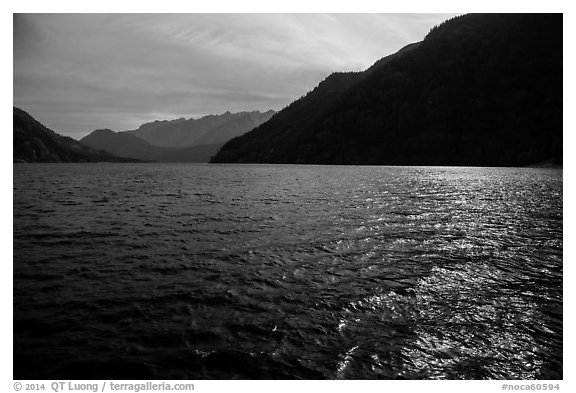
column 130, row 271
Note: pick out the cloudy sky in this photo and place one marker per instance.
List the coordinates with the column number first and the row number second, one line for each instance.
column 79, row 72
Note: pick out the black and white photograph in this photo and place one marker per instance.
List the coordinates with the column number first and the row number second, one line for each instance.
column 288, row 196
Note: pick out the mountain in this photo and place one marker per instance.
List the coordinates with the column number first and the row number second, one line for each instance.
column 33, row 142
column 480, row 90
column 128, row 145
column 206, row 130
column 149, row 127
column 193, row 140
column 239, row 125
column 179, row 133
column 124, row 144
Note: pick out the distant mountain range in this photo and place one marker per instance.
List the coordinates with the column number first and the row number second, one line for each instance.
column 207, row 130
column 33, row 142
column 181, row 140
column 480, row 90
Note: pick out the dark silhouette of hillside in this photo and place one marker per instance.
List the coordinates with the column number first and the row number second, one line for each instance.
column 33, row 142
column 480, row 90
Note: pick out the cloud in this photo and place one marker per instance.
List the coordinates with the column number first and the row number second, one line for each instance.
column 77, row 72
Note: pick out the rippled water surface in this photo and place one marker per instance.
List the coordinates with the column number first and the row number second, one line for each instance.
column 132, row 271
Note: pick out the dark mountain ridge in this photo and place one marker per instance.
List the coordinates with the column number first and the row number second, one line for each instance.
column 480, row 90
column 33, row 142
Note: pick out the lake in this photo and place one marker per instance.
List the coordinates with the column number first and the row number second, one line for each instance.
column 197, row 271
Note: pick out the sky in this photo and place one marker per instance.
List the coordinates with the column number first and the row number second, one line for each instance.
column 79, row 72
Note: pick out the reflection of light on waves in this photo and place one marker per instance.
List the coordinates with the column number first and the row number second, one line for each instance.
column 435, row 351
column 448, row 297
column 390, row 306
column 345, row 362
